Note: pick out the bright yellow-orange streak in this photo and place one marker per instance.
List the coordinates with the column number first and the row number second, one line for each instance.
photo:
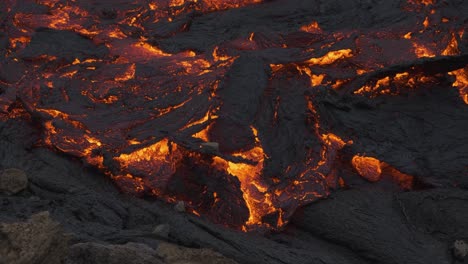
column 157, row 152
column 311, row 28
column 128, row 75
column 331, row 57
column 421, row 51
column 461, row 82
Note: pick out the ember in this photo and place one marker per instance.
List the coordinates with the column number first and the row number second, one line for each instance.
column 225, row 121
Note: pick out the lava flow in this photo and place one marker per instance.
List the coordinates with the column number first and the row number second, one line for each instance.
column 225, row 121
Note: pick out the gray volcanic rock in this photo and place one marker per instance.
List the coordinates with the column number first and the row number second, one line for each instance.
column 174, row 254
column 162, row 230
column 460, row 249
column 375, row 224
column 64, row 45
column 40, row 240
column 13, row 181
column 136, row 253
column 131, row 253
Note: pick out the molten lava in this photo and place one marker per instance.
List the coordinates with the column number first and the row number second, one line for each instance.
column 368, row 167
column 374, row 170
column 230, row 126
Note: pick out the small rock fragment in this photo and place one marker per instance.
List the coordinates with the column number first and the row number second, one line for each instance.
column 460, row 249
column 34, row 198
column 13, row 181
column 210, row 146
column 180, row 206
column 162, row 230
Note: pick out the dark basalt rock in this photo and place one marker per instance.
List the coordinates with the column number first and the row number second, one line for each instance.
column 374, row 224
column 40, row 240
column 13, row 181
column 65, row 45
column 131, row 253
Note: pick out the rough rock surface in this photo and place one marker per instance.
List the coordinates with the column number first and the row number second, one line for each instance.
column 377, row 224
column 173, row 254
column 131, row 253
column 460, row 249
column 162, row 230
column 137, row 253
column 40, row 240
column 13, row 181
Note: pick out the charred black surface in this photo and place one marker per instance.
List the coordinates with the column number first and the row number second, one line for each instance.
column 65, row 45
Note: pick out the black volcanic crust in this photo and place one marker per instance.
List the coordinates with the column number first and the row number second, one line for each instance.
column 65, row 45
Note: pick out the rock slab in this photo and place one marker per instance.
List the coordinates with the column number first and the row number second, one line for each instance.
column 13, row 181
column 40, row 240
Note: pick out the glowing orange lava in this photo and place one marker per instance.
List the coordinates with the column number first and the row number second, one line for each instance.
column 368, row 167
column 144, row 105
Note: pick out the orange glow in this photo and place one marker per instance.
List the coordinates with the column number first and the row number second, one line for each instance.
column 251, row 37
column 218, row 57
column 331, row 143
column 203, row 135
column 161, row 157
column 150, row 100
column 128, row 75
column 255, row 192
column 157, row 151
column 374, row 170
column 117, row 33
column 22, row 40
column 421, row 51
column 368, row 167
column 452, row 47
column 426, row 22
column 384, row 82
column 423, row 2
column 312, row 28
column 70, row 74
column 361, row 71
column 315, row 80
column 401, row 76
column 136, row 184
column 251, row 187
column 199, row 66
column 212, row 5
column 331, row 57
column 387, row 84
column 461, row 82
column 146, row 49
column 403, row 180
column 152, row 6
column 428, row 2
column 176, row 2
column 166, row 110
column 338, row 84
